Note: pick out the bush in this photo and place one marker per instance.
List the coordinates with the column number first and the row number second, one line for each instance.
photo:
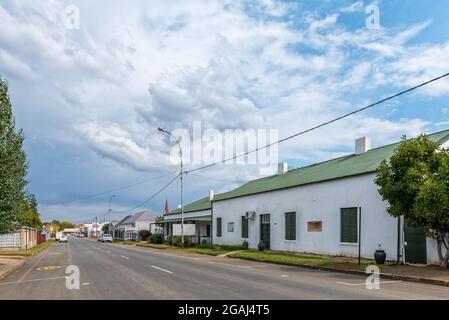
column 245, row 245
column 144, row 234
column 156, row 238
column 261, row 245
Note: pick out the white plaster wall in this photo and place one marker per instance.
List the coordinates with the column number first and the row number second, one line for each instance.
column 314, row 202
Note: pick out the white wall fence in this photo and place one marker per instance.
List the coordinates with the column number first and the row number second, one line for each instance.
column 11, row 240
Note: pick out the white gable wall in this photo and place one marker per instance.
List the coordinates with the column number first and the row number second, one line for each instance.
column 314, row 202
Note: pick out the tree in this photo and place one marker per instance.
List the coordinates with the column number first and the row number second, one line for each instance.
column 432, row 206
column 30, row 216
column 412, row 182
column 105, row 228
column 65, row 225
column 13, row 165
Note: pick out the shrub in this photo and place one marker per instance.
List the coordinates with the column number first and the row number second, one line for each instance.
column 261, row 245
column 177, row 241
column 156, row 238
column 245, row 245
column 144, row 234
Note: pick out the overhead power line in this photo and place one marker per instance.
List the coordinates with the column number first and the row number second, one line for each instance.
column 150, row 198
column 320, row 125
column 113, row 190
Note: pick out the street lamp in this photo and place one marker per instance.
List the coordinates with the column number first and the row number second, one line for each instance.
column 110, row 209
column 181, row 174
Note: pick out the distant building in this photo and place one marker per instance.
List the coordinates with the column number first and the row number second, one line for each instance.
column 130, row 226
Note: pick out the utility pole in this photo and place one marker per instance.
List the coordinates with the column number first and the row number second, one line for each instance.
column 181, row 177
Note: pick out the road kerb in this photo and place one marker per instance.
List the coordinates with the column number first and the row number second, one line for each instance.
column 362, row 273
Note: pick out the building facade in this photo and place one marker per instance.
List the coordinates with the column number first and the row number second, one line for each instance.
column 330, row 208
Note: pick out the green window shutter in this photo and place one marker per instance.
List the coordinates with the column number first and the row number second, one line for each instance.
column 244, row 227
column 349, row 225
column 290, row 226
column 218, row 227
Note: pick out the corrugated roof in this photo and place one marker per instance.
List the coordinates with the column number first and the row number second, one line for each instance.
column 139, row 216
column 199, row 205
column 346, row 166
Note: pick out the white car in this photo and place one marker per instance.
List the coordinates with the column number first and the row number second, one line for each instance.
column 106, row 238
column 63, row 238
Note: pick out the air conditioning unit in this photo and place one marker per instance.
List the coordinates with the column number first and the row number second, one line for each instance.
column 250, row 214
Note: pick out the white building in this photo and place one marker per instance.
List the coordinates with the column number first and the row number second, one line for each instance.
column 130, row 226
column 326, row 208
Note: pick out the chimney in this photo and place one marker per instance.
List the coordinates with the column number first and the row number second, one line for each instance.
column 282, row 167
column 211, row 194
column 362, row 145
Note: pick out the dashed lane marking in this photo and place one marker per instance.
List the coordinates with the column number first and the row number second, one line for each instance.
column 124, row 257
column 161, row 269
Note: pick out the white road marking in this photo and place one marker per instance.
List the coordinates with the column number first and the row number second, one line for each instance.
column 168, row 271
column 284, row 276
column 108, row 252
column 124, row 257
column 85, row 283
column 363, row 283
column 32, row 280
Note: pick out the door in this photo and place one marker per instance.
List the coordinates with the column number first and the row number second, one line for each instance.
column 415, row 245
column 265, row 230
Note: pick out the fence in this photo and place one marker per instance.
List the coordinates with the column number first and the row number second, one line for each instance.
column 25, row 238
column 11, row 240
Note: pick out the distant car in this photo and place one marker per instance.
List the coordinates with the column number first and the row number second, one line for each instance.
column 106, row 238
column 100, row 238
column 63, row 238
column 81, row 235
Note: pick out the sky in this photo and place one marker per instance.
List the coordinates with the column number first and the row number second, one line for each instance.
column 90, row 96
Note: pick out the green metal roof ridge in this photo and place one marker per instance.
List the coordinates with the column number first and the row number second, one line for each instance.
column 198, row 205
column 344, row 166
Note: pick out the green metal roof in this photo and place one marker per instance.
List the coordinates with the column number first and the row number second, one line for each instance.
column 199, row 205
column 346, row 166
column 202, row 218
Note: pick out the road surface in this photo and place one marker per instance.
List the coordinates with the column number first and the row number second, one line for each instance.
column 112, row 271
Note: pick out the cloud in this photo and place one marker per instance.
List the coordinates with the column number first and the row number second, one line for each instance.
column 103, row 90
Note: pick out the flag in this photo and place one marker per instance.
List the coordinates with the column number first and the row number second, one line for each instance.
column 166, row 210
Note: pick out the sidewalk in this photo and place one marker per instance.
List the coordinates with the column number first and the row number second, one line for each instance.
column 8, row 264
column 413, row 273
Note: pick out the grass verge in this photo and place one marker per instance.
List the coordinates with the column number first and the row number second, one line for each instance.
column 281, row 258
column 29, row 252
column 200, row 250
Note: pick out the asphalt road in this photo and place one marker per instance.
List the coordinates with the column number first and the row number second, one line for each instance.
column 111, row 271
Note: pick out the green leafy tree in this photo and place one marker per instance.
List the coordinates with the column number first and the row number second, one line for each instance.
column 432, row 206
column 105, row 228
column 13, row 165
column 30, row 216
column 66, row 225
column 409, row 181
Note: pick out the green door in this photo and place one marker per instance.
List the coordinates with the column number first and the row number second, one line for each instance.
column 265, row 230
column 415, row 249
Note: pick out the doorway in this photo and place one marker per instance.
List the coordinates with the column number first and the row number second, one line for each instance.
column 265, row 230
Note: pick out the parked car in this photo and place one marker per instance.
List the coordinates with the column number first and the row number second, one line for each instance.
column 106, row 238
column 63, row 238
column 100, row 238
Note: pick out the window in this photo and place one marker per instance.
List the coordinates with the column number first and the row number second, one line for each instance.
column 314, row 226
column 218, row 227
column 244, row 227
column 230, row 226
column 348, row 225
column 290, row 226
column 208, row 230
